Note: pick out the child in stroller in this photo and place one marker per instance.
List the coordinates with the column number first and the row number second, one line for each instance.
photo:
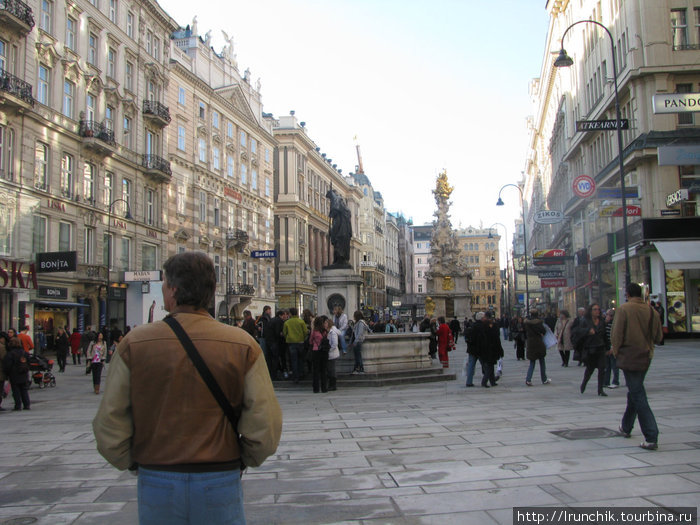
column 40, row 370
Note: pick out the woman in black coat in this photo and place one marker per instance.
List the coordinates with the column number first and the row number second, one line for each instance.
column 493, row 351
column 536, row 349
column 16, row 368
column 595, row 344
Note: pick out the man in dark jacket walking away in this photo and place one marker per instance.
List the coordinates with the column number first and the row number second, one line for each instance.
column 477, row 343
column 492, row 352
column 16, row 367
column 536, row 349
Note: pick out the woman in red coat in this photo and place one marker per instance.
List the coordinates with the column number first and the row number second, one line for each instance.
column 75, row 345
column 445, row 342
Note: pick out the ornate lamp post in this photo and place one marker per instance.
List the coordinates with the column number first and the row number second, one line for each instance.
column 127, row 216
column 522, row 209
column 564, row 60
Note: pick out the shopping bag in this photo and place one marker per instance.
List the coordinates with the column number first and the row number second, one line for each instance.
column 499, row 368
column 549, row 338
column 464, row 367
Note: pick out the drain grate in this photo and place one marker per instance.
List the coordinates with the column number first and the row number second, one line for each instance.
column 585, row 433
column 514, row 466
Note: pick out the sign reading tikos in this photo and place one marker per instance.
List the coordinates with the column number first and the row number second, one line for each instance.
column 584, row 186
column 549, row 217
column 263, row 254
column 675, row 102
column 676, row 197
column 601, row 125
column 143, row 275
column 56, row 262
column 52, row 292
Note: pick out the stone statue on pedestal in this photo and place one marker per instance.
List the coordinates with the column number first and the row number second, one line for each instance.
column 341, row 230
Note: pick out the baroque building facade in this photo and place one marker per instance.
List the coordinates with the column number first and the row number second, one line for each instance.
column 654, row 54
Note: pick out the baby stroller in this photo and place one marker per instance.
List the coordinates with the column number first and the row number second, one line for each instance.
column 40, row 370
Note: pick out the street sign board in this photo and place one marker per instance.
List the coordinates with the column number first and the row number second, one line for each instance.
column 550, row 274
column 601, row 125
column 143, row 276
column 263, row 254
column 616, row 193
column 616, row 211
column 584, row 186
column 552, row 261
column 549, row 217
column 553, row 283
column 555, row 252
column 50, row 262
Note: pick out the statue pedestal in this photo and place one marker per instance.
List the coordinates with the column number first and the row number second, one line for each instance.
column 338, row 286
column 450, row 303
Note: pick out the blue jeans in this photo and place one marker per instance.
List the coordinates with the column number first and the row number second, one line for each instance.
column 638, row 407
column 296, row 354
column 176, row 498
column 343, row 342
column 531, row 370
column 471, row 364
column 357, row 350
column 612, row 367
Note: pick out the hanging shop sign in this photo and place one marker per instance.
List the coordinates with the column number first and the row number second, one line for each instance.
column 616, row 211
column 263, row 254
column 676, row 102
column 553, row 283
column 143, row 276
column 601, row 125
column 676, row 197
column 688, row 155
column 555, row 252
column 549, row 217
column 50, row 262
column 584, row 186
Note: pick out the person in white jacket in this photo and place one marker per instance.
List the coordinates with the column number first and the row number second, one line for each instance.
column 334, row 336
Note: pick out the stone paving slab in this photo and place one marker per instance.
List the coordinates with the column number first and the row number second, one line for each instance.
column 436, row 453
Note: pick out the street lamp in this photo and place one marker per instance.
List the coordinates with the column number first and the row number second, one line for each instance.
column 127, row 216
column 564, row 60
column 507, row 264
column 522, row 209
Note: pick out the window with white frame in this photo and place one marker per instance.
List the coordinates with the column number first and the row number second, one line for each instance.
column 253, row 145
column 244, row 220
column 71, row 30
column 130, row 24
column 126, row 132
column 254, row 179
column 180, row 204
column 38, row 234
column 88, row 245
column 92, row 49
column 267, row 154
column 90, row 103
column 129, row 76
column 65, row 234
column 41, row 166
column 89, row 182
column 231, row 217
column 267, row 232
column 126, row 194
column 215, row 119
column 108, row 188
column 113, row 11
column 156, row 48
column 181, row 137
column 679, row 28
column 68, row 97
column 202, row 150
column 267, row 187
column 149, row 42
column 42, row 92
column 111, row 60
column 202, row 110
column 67, row 167
column 150, row 207
column 243, row 139
column 216, row 154
column 181, row 95
column 254, row 229
column 229, row 129
column 46, row 16
column 125, row 253
column 7, row 162
column 217, row 211
column 109, row 118
column 202, row 206
column 229, row 166
column 3, row 55
column 243, row 274
column 244, row 174
column 149, row 259
column 6, row 227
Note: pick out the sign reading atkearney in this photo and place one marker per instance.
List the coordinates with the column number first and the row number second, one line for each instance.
column 601, row 125
column 263, row 254
column 143, row 275
column 549, row 217
column 675, row 102
column 49, row 262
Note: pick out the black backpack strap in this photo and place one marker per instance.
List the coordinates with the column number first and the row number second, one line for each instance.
column 231, row 413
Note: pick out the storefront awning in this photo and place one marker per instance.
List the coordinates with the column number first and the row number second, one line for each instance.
column 679, row 255
column 620, row 254
column 59, row 304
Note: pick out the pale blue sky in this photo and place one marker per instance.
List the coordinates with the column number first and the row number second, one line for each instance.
column 424, row 86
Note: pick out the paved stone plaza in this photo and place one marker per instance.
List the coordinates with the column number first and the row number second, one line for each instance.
column 415, row 454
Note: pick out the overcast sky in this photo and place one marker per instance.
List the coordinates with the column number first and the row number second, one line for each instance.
column 424, row 85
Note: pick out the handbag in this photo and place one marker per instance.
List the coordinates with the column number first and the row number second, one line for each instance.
column 231, row 413
column 88, row 367
column 635, row 358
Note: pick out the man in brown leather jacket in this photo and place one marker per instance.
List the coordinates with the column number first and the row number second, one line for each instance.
column 158, row 415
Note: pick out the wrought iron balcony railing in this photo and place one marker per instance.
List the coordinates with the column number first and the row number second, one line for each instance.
column 154, row 162
column 240, row 289
column 94, row 129
column 161, row 111
column 16, row 86
column 19, row 10
column 237, row 235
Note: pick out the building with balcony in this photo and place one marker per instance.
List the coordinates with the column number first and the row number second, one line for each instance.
column 221, row 192
column 303, row 174
column 77, row 157
column 654, row 53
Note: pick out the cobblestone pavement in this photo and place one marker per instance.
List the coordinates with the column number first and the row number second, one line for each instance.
column 414, row 454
